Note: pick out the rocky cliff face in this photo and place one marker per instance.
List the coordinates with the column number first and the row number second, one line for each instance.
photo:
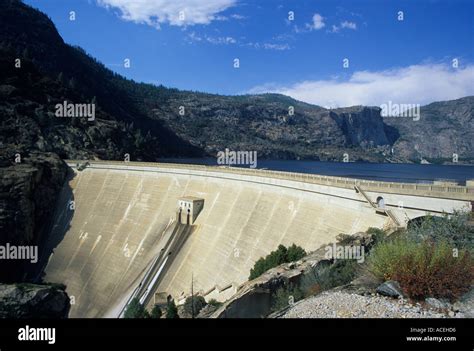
column 263, row 123
column 362, row 126
column 33, row 301
column 443, row 129
column 28, row 193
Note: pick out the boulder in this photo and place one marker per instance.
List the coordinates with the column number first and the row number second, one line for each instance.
column 390, row 288
column 7, row 90
column 33, row 301
column 465, row 305
column 436, row 303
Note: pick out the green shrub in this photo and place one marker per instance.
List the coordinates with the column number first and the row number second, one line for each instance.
column 454, row 229
column 284, row 296
column 198, row 302
column 275, row 258
column 378, row 235
column 214, row 303
column 326, row 275
column 294, row 253
column 384, row 258
column 424, row 268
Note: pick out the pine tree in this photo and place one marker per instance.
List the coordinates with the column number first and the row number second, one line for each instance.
column 136, row 310
column 156, row 312
column 72, row 83
column 25, row 53
column 60, row 78
column 171, row 310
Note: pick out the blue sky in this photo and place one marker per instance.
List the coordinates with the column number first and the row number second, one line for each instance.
column 389, row 59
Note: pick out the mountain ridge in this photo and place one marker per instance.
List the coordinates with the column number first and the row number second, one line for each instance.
column 150, row 122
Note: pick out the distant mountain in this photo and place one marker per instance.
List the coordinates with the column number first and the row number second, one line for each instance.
column 443, row 129
column 150, row 122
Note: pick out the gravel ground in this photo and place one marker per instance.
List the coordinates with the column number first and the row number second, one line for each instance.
column 348, row 305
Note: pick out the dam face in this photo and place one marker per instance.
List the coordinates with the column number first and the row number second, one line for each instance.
column 120, row 216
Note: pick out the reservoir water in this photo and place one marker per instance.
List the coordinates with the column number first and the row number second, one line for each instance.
column 389, row 172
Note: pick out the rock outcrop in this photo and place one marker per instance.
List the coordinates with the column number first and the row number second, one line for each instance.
column 465, row 304
column 28, row 194
column 254, row 299
column 33, row 301
column 390, row 288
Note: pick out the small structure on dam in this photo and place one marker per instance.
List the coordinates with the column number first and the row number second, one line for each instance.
column 189, row 209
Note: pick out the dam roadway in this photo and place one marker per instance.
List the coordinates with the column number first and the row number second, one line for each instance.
column 114, row 219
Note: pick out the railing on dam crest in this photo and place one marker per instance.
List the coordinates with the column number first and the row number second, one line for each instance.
column 445, row 191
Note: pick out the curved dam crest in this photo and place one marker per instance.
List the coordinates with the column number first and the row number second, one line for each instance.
column 104, row 245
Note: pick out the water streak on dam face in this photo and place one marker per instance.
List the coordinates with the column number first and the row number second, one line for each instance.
column 120, row 216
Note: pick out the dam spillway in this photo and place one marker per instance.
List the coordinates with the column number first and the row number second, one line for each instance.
column 103, row 246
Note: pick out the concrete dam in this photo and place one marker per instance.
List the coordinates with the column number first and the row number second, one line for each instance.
column 123, row 230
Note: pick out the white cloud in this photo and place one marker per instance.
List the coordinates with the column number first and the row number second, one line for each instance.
column 335, row 29
column 267, row 46
column 318, row 22
column 283, row 37
column 349, row 25
column 193, row 37
column 343, row 25
column 278, row 47
column 221, row 40
column 238, row 17
column 173, row 12
column 416, row 84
